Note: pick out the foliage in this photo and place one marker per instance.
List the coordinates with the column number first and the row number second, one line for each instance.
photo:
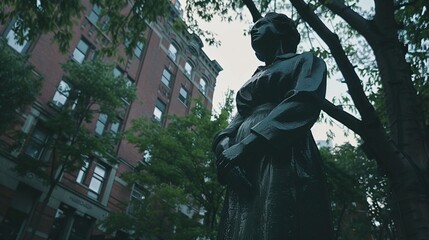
column 19, row 85
column 121, row 22
column 178, row 177
column 93, row 89
column 360, row 196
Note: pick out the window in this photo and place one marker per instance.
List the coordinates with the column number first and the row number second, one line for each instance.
column 172, row 52
column 11, row 38
column 97, row 180
column 129, row 81
column 80, row 52
column 114, row 128
column 137, row 196
column 94, row 15
column 188, row 69
column 117, row 72
column 159, row 110
column 62, row 94
column 138, row 50
column 81, row 176
column 183, row 95
column 203, row 85
column 146, row 156
column 101, row 124
column 92, row 174
column 63, row 215
column 37, row 143
column 166, row 77
column 71, row 224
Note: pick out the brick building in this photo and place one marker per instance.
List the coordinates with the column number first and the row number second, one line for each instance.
column 168, row 70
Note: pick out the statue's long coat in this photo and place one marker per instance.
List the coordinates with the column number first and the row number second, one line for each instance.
column 288, row 199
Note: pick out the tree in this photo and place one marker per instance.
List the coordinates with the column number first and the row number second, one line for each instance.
column 91, row 89
column 394, row 36
column 182, row 199
column 125, row 22
column 399, row 147
column 120, row 21
column 18, row 84
column 360, row 198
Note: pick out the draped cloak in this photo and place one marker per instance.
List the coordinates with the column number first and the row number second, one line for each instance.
column 288, row 199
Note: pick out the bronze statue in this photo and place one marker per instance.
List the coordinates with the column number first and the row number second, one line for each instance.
column 267, row 157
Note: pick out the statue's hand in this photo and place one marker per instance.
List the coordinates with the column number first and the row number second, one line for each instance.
column 230, row 174
column 221, row 146
column 227, row 160
column 237, row 153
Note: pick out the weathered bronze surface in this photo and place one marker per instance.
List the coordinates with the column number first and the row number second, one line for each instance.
column 267, row 157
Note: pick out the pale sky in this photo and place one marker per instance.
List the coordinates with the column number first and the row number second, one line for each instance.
column 237, row 58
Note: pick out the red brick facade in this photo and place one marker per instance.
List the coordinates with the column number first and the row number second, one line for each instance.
column 71, row 213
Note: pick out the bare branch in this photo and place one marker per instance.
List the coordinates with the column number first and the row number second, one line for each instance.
column 340, row 115
column 384, row 8
column 353, row 81
column 355, row 20
column 256, row 15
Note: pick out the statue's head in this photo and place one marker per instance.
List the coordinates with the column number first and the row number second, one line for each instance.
column 274, row 34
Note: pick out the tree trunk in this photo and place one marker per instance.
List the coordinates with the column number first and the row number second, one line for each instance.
column 405, row 157
column 45, row 202
column 408, row 172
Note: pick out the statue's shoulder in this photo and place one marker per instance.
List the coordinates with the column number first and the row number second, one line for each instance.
column 312, row 59
column 297, row 56
column 309, row 55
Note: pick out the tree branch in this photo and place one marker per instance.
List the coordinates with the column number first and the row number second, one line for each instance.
column 352, row 80
column 384, row 17
column 384, row 8
column 256, row 15
column 355, row 20
column 345, row 118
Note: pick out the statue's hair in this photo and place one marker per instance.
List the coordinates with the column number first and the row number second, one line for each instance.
column 286, row 28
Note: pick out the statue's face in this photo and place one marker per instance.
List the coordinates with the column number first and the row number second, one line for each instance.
column 265, row 40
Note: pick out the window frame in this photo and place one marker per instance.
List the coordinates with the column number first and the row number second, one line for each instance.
column 203, row 87
column 95, row 194
column 77, row 50
column 160, row 106
column 37, row 143
column 101, row 124
column 10, row 35
column 164, row 79
column 139, row 47
column 83, row 171
column 61, row 94
column 95, row 11
column 105, row 125
column 183, row 99
column 172, row 54
column 137, row 195
column 188, row 68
